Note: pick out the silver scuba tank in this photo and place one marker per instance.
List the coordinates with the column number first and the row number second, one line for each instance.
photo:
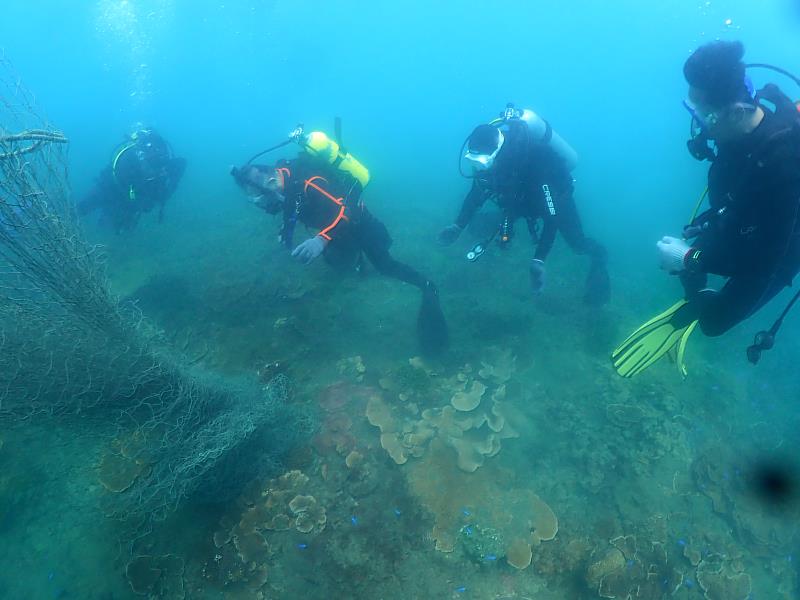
column 539, row 128
column 541, row 132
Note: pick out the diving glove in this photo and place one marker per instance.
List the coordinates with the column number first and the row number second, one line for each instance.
column 598, row 286
column 310, row 250
column 449, row 234
column 537, row 273
column 673, row 252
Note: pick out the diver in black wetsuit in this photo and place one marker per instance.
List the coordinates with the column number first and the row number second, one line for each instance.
column 750, row 234
column 525, row 168
column 143, row 174
column 328, row 201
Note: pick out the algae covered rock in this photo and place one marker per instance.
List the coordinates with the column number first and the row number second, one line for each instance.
column 481, row 544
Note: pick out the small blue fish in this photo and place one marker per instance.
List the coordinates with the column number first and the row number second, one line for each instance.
column 354, row 520
column 461, row 589
column 397, row 512
column 302, row 546
column 465, row 512
column 491, row 557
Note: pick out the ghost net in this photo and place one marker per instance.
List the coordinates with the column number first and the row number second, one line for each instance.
column 70, row 350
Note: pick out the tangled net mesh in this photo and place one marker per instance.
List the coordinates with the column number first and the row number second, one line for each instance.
column 70, row 349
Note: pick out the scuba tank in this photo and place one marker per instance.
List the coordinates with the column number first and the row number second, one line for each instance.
column 318, row 144
column 539, row 131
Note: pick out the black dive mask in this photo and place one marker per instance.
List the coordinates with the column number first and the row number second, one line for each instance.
column 261, row 188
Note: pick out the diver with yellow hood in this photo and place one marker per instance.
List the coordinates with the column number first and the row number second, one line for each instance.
column 751, row 233
column 322, row 188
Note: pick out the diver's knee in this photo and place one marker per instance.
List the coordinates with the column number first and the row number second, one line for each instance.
column 596, row 250
column 713, row 328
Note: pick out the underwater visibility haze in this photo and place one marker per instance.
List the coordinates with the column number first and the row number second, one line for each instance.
column 339, row 369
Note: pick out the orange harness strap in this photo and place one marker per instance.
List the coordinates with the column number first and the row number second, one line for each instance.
column 338, row 201
column 285, row 174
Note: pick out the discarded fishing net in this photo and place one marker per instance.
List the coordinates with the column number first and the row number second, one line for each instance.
column 69, row 349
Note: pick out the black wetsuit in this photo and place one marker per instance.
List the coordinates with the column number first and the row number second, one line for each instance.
column 530, row 181
column 751, row 233
column 142, row 175
column 328, row 202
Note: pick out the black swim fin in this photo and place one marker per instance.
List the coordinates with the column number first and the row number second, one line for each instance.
column 432, row 331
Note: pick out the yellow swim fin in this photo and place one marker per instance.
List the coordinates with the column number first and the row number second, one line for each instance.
column 653, row 340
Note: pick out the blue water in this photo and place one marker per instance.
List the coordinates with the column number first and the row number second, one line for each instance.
column 223, row 80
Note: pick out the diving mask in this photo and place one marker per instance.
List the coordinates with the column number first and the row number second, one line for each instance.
column 708, row 117
column 482, row 160
column 706, row 120
column 264, row 187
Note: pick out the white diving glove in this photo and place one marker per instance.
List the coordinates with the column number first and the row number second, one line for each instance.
column 310, row 250
column 672, row 252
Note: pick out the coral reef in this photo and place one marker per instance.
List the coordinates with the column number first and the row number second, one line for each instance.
column 468, row 400
column 338, row 401
column 479, row 501
column 519, row 554
column 473, row 422
column 242, row 551
column 157, row 577
column 630, row 568
column 718, row 473
column 352, row 368
column 118, row 472
column 720, row 580
column 481, row 544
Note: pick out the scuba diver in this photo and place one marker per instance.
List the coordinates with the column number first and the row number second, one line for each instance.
column 143, row 174
column 749, row 235
column 525, row 167
column 321, row 188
